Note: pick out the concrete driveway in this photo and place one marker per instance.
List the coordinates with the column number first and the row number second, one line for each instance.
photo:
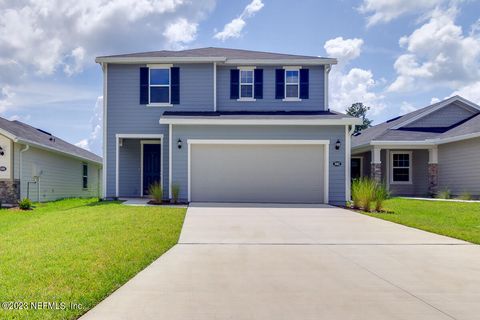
column 301, row 262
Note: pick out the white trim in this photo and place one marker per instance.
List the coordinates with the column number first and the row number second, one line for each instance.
column 348, row 154
column 189, row 171
column 170, row 156
column 376, row 156
column 252, row 97
column 246, row 68
column 292, row 99
column 455, row 139
column 20, row 170
column 400, row 143
column 326, row 70
column 214, row 87
column 142, row 143
column 433, row 155
column 299, row 122
column 105, row 145
column 139, row 136
column 324, row 143
column 246, row 99
column 116, row 164
column 159, row 65
column 292, row 68
column 410, row 162
column 297, row 98
column 160, row 104
column 387, row 168
column 300, row 62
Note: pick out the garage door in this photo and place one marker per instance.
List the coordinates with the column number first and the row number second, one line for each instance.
column 257, row 173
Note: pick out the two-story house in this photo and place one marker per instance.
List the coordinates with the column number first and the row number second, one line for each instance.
column 224, row 125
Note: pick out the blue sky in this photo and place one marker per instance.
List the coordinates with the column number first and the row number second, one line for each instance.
column 395, row 56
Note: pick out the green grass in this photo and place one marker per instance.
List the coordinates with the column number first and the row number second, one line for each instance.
column 78, row 251
column 454, row 219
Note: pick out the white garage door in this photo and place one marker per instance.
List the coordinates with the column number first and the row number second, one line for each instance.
column 257, row 173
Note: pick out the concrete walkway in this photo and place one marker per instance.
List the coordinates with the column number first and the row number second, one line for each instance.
column 301, row 262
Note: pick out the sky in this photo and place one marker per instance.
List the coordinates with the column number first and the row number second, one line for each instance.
column 395, row 56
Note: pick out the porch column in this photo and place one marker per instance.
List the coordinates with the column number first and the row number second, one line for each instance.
column 376, row 165
column 433, row 171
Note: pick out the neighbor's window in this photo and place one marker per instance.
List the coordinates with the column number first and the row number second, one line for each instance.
column 85, row 176
column 246, row 84
column 159, row 85
column 292, row 84
column 401, row 163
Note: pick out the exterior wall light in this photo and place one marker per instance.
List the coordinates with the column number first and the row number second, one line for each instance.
column 337, row 144
column 179, row 143
column 2, row 152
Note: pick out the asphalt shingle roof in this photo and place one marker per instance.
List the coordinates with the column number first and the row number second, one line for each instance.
column 27, row 133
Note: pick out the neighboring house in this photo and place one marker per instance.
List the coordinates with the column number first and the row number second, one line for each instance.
column 422, row 152
column 224, row 125
column 37, row 165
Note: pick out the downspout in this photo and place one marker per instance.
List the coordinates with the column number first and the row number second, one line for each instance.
column 105, row 146
column 20, row 173
column 327, row 69
column 214, row 86
column 348, row 153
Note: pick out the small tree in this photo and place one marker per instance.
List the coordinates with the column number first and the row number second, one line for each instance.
column 359, row 110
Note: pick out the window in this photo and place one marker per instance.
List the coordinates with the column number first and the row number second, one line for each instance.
column 401, row 164
column 159, row 85
column 246, row 84
column 292, row 84
column 85, row 176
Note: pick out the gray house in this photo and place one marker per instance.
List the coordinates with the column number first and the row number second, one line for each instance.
column 430, row 149
column 224, row 125
column 35, row 164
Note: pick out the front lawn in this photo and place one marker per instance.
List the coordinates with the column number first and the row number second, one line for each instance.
column 454, row 219
column 77, row 251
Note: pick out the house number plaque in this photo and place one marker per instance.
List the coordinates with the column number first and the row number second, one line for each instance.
column 337, row 163
column 3, row 168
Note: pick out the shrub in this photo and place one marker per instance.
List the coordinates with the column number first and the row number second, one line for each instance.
column 444, row 194
column 25, row 204
column 465, row 196
column 156, row 192
column 355, row 194
column 363, row 190
column 381, row 194
column 175, row 192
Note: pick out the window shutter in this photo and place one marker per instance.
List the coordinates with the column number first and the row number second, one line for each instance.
column 303, row 83
column 234, row 83
column 144, row 85
column 175, row 85
column 279, row 84
column 258, row 85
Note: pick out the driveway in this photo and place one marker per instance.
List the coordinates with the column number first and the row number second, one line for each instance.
column 301, row 262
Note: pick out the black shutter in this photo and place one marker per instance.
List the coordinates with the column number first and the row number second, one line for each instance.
column 258, row 85
column 303, row 83
column 234, row 83
column 175, row 85
column 144, row 85
column 279, row 84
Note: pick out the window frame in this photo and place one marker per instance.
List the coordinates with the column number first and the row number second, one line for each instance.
column 286, row 83
column 392, row 167
column 160, row 104
column 249, row 69
column 84, row 177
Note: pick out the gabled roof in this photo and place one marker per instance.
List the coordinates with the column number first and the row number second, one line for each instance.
column 213, row 54
column 23, row 133
column 395, row 130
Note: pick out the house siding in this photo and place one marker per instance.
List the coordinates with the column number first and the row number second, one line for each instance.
column 316, row 100
column 129, row 174
column 331, row 133
column 419, row 185
column 459, row 166
column 444, row 117
column 60, row 176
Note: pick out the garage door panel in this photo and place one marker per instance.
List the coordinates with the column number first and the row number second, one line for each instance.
column 257, row 173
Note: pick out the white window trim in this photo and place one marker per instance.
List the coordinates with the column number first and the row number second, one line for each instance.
column 252, row 98
column 142, row 143
column 84, row 176
column 297, row 98
column 410, row 158
column 160, row 104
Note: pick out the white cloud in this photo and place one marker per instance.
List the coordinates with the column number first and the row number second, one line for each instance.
column 438, row 54
column 381, row 11
column 434, row 100
column 94, row 141
column 180, row 32
column 355, row 85
column 234, row 28
column 406, row 108
column 344, row 50
column 470, row 92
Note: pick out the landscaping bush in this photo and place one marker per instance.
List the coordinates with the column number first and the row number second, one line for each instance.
column 381, row 194
column 465, row 196
column 25, row 204
column 355, row 194
column 156, row 192
column 444, row 194
column 175, row 192
column 363, row 192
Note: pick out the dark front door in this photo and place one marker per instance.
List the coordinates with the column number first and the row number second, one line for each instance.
column 151, row 165
column 356, row 168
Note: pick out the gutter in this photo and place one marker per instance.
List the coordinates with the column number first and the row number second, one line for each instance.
column 20, row 173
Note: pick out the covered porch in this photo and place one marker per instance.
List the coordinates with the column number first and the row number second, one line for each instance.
column 407, row 168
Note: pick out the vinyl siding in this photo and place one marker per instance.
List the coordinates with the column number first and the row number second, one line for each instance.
column 129, row 169
column 268, row 103
column 444, row 117
column 459, row 166
column 60, row 176
column 332, row 133
column 419, row 185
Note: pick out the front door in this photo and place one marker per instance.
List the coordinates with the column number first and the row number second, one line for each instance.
column 151, row 165
column 356, row 168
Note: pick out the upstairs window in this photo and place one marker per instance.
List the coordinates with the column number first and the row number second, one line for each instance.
column 246, row 83
column 292, row 84
column 85, row 176
column 401, row 164
column 159, row 85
